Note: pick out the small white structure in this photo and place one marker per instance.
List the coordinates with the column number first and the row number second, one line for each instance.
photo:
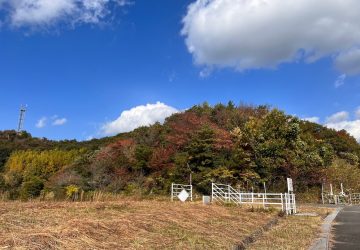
column 226, row 194
column 206, row 200
column 181, row 192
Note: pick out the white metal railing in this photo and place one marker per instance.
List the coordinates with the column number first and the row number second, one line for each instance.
column 355, row 198
column 177, row 188
column 338, row 199
column 226, row 194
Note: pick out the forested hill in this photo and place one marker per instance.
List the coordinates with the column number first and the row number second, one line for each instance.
column 11, row 141
column 240, row 145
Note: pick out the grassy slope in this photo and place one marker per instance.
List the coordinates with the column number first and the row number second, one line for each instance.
column 125, row 224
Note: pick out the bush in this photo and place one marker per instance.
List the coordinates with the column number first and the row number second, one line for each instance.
column 31, row 188
column 72, row 192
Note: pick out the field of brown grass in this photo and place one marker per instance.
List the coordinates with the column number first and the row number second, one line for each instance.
column 125, row 224
column 293, row 232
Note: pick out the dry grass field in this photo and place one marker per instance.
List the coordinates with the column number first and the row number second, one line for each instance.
column 125, row 224
column 136, row 224
column 293, row 232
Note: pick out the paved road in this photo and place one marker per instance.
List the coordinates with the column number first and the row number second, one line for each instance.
column 346, row 229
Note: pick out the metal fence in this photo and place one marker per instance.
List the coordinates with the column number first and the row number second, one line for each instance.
column 355, row 198
column 226, row 194
column 176, row 189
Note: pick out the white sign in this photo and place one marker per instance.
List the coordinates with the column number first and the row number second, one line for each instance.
column 183, row 195
column 290, row 185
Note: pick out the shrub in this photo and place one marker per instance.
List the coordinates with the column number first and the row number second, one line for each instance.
column 31, row 188
column 72, row 192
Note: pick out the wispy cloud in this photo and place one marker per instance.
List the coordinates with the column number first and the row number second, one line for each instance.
column 53, row 120
column 45, row 13
column 314, row 119
column 337, row 117
column 59, row 122
column 340, row 81
column 41, row 122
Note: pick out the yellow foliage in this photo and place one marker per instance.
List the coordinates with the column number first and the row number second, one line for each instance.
column 39, row 163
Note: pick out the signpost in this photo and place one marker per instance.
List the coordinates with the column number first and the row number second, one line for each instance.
column 290, row 197
column 183, row 195
column 290, row 185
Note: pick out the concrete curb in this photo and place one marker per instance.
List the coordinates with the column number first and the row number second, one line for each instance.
column 322, row 243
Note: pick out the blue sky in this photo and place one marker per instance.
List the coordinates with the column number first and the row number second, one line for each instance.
column 77, row 73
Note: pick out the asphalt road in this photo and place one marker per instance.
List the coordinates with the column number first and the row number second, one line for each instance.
column 346, row 229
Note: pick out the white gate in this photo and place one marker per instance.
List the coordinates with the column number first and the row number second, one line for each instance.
column 226, row 194
column 177, row 189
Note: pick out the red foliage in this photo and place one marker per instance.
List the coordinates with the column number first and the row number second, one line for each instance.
column 161, row 158
column 113, row 150
column 183, row 128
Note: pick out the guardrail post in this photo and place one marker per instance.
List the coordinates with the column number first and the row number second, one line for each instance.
column 228, row 196
column 252, row 197
column 191, row 193
column 172, row 191
column 282, row 203
column 212, row 192
column 263, row 200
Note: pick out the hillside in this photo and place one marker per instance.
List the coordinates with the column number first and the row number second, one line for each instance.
column 240, row 145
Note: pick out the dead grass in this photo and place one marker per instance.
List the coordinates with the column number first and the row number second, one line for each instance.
column 125, row 224
column 293, row 232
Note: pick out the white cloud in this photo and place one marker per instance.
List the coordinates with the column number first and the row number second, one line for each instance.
column 39, row 13
column 250, row 34
column 143, row 115
column 59, row 122
column 41, row 122
column 314, row 119
column 340, row 81
column 349, row 62
column 337, row 117
column 352, row 127
column 340, row 121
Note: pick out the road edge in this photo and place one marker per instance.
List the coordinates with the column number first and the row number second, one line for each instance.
column 322, row 243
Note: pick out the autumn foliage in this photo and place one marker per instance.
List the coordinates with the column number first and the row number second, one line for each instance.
column 240, row 145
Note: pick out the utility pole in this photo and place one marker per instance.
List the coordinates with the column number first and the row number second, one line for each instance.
column 190, row 173
column 21, row 119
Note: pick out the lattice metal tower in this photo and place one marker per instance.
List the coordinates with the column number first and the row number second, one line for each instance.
column 21, row 118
